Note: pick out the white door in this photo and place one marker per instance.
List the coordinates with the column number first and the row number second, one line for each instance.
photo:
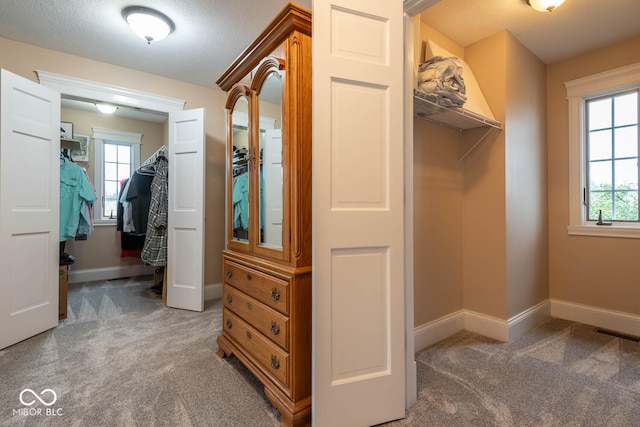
column 29, row 208
column 358, row 213
column 185, row 248
column 272, row 187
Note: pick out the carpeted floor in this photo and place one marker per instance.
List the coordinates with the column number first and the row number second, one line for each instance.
column 121, row 358
column 560, row 374
column 124, row 359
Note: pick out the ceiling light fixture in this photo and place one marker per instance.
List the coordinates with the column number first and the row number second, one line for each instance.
column 544, row 5
column 148, row 23
column 106, row 108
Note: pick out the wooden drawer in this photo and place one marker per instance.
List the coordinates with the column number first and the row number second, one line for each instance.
column 267, row 354
column 267, row 289
column 272, row 324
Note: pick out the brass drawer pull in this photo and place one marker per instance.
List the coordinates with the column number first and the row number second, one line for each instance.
column 249, row 335
column 248, row 276
column 229, row 298
column 229, row 274
column 275, row 363
column 229, row 324
column 275, row 329
column 275, row 294
column 249, row 306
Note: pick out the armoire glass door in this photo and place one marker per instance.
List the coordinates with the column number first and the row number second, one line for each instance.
column 270, row 168
column 240, row 174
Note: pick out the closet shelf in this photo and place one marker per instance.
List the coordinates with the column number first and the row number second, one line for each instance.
column 454, row 117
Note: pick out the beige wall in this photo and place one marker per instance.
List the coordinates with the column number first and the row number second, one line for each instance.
column 437, row 197
column 24, row 59
column 480, row 237
column 484, row 242
column 102, row 248
column 597, row 271
column 526, row 179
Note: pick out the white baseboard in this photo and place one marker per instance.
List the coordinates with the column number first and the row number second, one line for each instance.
column 109, row 273
column 508, row 330
column 523, row 322
column 489, row 326
column 430, row 333
column 607, row 319
column 212, row 291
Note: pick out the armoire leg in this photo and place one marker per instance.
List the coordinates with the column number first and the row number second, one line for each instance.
column 298, row 417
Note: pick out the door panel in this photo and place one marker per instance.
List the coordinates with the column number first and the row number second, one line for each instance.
column 185, row 250
column 29, row 208
column 271, row 188
column 358, row 216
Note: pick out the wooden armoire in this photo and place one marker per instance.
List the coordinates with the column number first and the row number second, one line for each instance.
column 266, row 317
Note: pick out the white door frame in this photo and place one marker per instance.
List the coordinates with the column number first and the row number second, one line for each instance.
column 85, row 89
column 95, row 91
column 412, row 8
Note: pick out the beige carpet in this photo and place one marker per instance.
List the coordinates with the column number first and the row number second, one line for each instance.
column 123, row 359
column 560, row 374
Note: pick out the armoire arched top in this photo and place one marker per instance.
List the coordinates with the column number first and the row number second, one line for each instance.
column 263, row 71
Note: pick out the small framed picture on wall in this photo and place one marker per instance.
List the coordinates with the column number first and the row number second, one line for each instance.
column 82, row 154
column 66, row 130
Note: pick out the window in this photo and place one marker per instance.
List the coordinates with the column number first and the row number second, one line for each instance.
column 603, row 153
column 612, row 157
column 117, row 155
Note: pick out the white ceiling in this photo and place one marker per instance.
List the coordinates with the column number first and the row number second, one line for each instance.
column 575, row 27
column 210, row 34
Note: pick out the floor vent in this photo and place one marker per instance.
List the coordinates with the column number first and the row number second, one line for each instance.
column 618, row 335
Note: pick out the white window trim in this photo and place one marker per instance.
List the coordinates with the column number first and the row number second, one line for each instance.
column 99, row 136
column 579, row 90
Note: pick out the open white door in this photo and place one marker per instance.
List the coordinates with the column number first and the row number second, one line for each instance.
column 29, row 208
column 271, row 188
column 358, row 213
column 185, row 248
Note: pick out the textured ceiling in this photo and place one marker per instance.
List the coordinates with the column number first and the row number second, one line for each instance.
column 575, row 27
column 210, row 34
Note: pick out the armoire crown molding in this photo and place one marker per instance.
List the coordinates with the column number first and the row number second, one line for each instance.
column 95, row 91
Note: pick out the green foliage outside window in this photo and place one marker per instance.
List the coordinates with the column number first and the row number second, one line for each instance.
column 619, row 205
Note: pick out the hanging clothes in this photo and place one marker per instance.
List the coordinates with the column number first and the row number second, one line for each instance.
column 240, row 200
column 155, row 244
column 75, row 193
column 131, row 244
column 139, row 194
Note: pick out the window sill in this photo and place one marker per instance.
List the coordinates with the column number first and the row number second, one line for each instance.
column 103, row 223
column 631, row 231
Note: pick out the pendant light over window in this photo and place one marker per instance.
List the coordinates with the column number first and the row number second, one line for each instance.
column 148, row 23
column 544, row 5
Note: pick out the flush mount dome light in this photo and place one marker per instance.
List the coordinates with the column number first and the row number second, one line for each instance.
column 148, row 23
column 544, row 5
column 106, row 108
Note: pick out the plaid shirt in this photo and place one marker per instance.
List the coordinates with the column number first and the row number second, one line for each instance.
column 154, row 251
